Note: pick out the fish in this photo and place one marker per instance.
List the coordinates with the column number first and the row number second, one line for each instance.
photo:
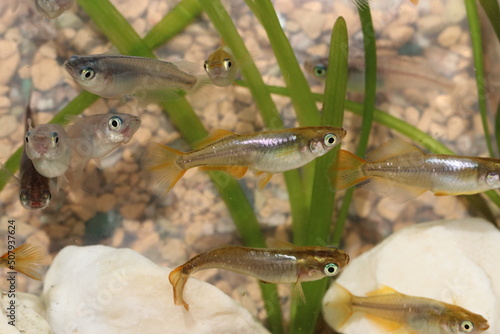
column 52, row 9
column 221, row 67
column 26, row 259
column 286, row 264
column 98, row 135
column 396, row 311
column 394, row 72
column 114, row 76
column 363, row 3
column 49, row 148
column 401, row 171
column 266, row 153
column 34, row 190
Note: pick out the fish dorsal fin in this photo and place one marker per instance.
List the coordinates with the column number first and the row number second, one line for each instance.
column 392, row 148
column 398, row 192
column 213, row 136
column 388, row 325
column 235, row 171
column 282, row 244
column 383, row 290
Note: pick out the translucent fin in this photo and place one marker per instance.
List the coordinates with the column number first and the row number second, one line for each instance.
column 276, row 243
column 387, row 325
column 383, row 290
column 444, row 194
column 214, row 136
column 264, row 180
column 28, row 260
column 398, row 192
column 235, row 171
column 338, row 310
column 178, row 281
column 297, row 290
column 161, row 168
column 415, row 2
column 391, row 148
column 147, row 96
column 348, row 170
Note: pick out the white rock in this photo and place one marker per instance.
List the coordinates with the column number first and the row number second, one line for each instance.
column 99, row 289
column 26, row 315
column 454, row 261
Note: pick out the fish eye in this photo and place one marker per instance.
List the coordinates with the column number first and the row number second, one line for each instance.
column 55, row 137
column 205, row 66
column 331, row 269
column 27, row 139
column 319, row 71
column 47, row 196
column 115, row 123
column 227, row 64
column 466, row 326
column 330, row 139
column 493, row 179
column 87, row 73
column 23, row 197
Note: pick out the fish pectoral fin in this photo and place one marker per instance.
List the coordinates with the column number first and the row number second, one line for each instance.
column 266, row 177
column 391, row 148
column 383, row 290
column 298, row 291
column 387, row 325
column 276, row 243
column 213, row 136
column 235, row 171
column 398, row 192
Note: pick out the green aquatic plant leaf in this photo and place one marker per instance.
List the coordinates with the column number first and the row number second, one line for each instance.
column 492, row 9
column 316, row 229
column 122, row 35
column 368, row 109
column 477, row 50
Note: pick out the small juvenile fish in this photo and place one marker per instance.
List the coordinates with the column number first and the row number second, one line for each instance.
column 401, row 171
column 221, row 67
column 287, row 264
column 393, row 72
column 149, row 79
column 98, row 135
column 266, row 152
column 53, row 8
column 34, row 191
column 49, row 147
column 25, row 259
column 393, row 310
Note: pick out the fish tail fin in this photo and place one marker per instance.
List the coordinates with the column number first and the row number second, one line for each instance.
column 28, row 260
column 161, row 167
column 178, row 281
column 348, row 171
column 338, row 310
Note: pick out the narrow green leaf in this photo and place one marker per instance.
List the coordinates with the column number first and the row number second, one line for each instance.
column 317, row 228
column 492, row 9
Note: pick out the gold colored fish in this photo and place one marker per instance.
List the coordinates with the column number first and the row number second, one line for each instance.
column 221, row 67
column 395, row 311
column 401, row 171
column 266, row 152
column 287, row 264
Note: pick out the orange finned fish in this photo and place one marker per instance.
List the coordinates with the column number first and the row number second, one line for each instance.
column 25, row 259
column 266, row 152
column 287, row 264
column 401, row 171
column 393, row 311
column 221, row 67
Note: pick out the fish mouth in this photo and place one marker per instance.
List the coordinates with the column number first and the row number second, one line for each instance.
column 35, row 205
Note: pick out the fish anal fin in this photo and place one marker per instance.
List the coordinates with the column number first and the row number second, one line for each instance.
column 266, row 177
column 298, row 291
column 383, row 290
column 276, row 243
column 213, row 136
column 148, row 96
column 398, row 192
column 235, row 171
column 387, row 325
column 391, row 148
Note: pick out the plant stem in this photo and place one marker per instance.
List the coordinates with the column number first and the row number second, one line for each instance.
column 317, row 228
column 477, row 50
